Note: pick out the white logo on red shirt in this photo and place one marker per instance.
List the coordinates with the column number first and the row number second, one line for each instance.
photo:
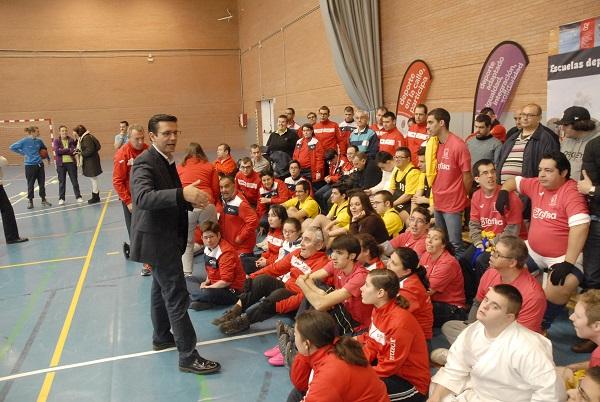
column 539, row 213
column 376, row 334
column 485, row 221
column 443, row 166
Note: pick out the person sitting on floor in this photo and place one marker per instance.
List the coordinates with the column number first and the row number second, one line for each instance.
column 328, row 368
column 383, row 204
column 415, row 235
column 276, row 216
column 338, row 216
column 445, row 278
column 247, row 182
column 302, row 206
column 370, row 252
column 586, row 320
column 224, row 273
column 364, row 219
column 496, row 359
column 292, row 236
column 395, row 344
column 272, row 191
column 414, row 285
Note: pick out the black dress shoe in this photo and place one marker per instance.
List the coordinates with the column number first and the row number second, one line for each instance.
column 585, row 346
column 126, row 250
column 200, row 366
column 163, row 345
column 17, row 240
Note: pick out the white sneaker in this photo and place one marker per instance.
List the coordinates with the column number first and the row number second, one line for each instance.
column 80, row 200
column 61, row 202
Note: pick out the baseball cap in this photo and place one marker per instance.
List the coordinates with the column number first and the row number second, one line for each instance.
column 573, row 114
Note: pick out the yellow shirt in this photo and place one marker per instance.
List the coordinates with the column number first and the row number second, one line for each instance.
column 421, row 187
column 411, row 179
column 309, row 206
column 340, row 214
column 66, row 158
column 393, row 222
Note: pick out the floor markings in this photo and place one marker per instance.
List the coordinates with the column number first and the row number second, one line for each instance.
column 54, row 369
column 113, row 253
column 51, row 180
column 25, row 264
column 60, row 344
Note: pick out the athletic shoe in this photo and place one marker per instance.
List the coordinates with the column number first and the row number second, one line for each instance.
column 272, row 352
column 290, row 354
column 80, row 200
column 45, row 203
column 61, row 202
column 146, row 270
column 228, row 315
column 439, row 356
column 30, row 204
column 235, row 326
column 277, row 360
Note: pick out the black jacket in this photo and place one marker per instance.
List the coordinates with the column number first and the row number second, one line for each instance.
column 541, row 142
column 591, row 164
column 285, row 142
column 159, row 222
column 368, row 177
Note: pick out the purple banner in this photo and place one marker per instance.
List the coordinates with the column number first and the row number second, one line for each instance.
column 499, row 77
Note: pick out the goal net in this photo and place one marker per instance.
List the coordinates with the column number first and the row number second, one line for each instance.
column 12, row 130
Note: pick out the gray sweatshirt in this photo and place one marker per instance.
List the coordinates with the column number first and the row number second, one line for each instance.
column 573, row 149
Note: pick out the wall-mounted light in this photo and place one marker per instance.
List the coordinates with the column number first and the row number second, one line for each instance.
column 150, row 58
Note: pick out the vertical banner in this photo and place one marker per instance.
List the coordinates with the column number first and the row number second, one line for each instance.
column 499, row 77
column 574, row 68
column 413, row 90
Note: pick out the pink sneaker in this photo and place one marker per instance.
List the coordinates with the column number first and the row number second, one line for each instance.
column 277, row 360
column 272, row 352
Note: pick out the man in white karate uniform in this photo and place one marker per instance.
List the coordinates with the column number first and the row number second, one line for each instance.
column 496, row 359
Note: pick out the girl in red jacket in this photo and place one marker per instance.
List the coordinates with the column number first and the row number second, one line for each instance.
column 395, row 343
column 414, row 286
column 311, row 155
column 225, row 275
column 337, row 367
column 276, row 217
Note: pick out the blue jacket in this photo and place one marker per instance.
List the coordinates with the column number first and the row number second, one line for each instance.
column 366, row 141
column 29, row 147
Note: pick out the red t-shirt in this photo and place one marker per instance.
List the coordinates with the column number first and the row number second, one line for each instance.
column 453, row 159
column 446, row 278
column 483, row 209
column 553, row 212
column 391, row 140
column 352, row 282
column 420, row 303
column 416, row 136
column 595, row 358
column 407, row 239
column 534, row 299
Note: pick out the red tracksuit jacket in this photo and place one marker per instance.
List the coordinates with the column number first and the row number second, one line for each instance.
column 196, row 169
column 122, row 168
column 278, row 193
column 238, row 223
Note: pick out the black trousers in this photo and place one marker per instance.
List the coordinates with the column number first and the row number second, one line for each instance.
column 71, row 169
column 260, row 295
column 9, row 223
column 33, row 173
column 169, row 300
column 127, row 214
column 401, row 390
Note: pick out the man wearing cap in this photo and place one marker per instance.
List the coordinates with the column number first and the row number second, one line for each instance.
column 579, row 130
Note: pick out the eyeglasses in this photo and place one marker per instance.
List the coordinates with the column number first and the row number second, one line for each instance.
column 400, row 157
column 496, row 254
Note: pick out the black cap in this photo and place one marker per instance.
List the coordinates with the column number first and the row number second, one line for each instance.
column 573, row 114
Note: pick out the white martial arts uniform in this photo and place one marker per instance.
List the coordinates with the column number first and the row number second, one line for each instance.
column 516, row 366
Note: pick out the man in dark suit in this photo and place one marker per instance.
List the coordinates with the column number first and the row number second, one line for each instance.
column 159, row 236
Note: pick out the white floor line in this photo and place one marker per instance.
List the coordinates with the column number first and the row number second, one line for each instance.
column 128, row 356
column 59, row 209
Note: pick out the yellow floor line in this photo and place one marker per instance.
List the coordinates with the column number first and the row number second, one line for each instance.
column 24, row 264
column 60, row 344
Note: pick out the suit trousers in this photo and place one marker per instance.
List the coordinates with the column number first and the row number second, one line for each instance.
column 9, row 223
column 169, row 309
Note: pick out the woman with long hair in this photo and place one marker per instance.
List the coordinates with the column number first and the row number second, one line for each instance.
column 364, row 219
column 276, row 216
column 414, row 285
column 370, row 252
column 395, row 343
column 196, row 167
column 87, row 153
column 337, row 367
column 64, row 156
column 445, row 278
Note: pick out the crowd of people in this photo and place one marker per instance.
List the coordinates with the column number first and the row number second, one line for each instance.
column 371, row 239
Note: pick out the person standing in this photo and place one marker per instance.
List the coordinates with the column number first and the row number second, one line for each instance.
column 9, row 223
column 88, row 148
column 159, row 237
column 64, row 157
column 122, row 136
column 32, row 148
column 123, row 161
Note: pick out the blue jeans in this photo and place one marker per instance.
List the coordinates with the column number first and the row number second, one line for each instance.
column 591, row 256
column 451, row 222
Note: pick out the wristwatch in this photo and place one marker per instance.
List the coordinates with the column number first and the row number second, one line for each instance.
column 592, row 191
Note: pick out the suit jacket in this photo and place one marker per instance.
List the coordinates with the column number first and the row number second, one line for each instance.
column 159, row 217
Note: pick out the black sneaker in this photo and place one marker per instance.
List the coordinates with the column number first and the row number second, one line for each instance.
column 17, row 240
column 126, row 250
column 200, row 366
